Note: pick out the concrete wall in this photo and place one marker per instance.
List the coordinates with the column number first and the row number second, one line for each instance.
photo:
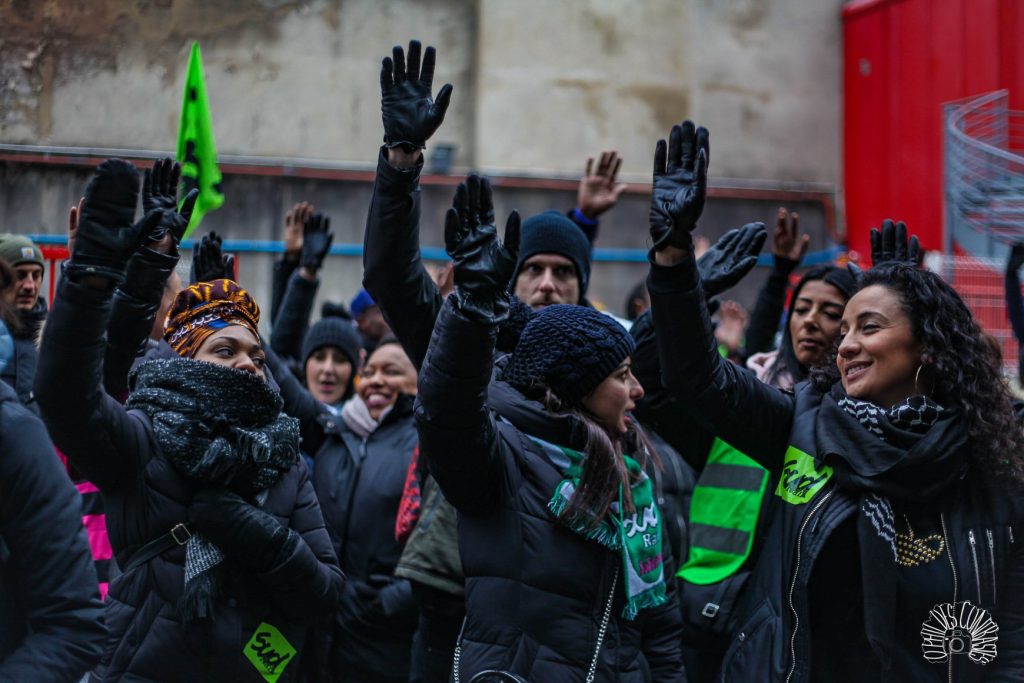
column 539, row 85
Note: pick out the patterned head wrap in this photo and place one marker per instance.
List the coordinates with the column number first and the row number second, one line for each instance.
column 205, row 307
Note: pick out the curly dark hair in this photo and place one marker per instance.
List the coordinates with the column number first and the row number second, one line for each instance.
column 964, row 370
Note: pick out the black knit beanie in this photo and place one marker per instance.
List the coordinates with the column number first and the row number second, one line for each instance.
column 569, row 348
column 552, row 233
column 336, row 332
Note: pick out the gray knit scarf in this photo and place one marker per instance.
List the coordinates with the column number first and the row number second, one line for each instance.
column 220, row 427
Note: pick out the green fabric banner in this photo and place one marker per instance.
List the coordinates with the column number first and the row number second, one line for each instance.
column 197, row 151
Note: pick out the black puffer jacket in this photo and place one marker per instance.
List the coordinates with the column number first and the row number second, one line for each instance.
column 535, row 591
column 977, row 520
column 51, row 626
column 359, row 483
column 145, row 498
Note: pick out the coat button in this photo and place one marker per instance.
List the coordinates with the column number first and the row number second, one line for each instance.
column 741, row 637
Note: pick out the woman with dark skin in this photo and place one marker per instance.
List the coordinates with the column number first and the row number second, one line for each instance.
column 210, row 510
column 894, row 549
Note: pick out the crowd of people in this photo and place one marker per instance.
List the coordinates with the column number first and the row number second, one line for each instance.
column 472, row 474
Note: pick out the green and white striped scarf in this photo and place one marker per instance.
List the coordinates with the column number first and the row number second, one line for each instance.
column 637, row 537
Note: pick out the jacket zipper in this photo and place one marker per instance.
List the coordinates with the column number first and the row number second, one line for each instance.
column 992, row 563
column 952, row 565
column 974, row 558
column 1010, row 529
column 792, row 585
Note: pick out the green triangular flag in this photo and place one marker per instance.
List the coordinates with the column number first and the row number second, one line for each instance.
column 196, row 149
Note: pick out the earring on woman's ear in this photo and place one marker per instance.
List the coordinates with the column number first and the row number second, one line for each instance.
column 917, row 376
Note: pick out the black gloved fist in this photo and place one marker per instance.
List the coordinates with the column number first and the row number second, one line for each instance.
column 106, row 236
column 680, row 186
column 245, row 533
column 160, row 191
column 483, row 265
column 410, row 115
column 730, row 258
column 890, row 245
column 208, row 261
column 1016, row 257
column 316, row 241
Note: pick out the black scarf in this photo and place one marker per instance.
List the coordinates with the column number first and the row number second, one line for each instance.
column 912, row 453
column 221, row 427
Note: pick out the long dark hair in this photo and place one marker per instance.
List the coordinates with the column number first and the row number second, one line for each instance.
column 963, row 371
column 839, row 278
column 604, row 470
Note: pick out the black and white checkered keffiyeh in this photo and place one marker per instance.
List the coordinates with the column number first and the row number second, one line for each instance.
column 916, row 414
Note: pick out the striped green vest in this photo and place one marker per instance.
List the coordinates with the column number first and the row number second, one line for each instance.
column 724, row 510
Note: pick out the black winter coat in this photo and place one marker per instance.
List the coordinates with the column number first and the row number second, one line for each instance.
column 145, row 498
column 51, row 624
column 773, row 641
column 535, row 591
column 359, row 483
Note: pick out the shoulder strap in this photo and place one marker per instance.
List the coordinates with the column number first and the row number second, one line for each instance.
column 177, row 536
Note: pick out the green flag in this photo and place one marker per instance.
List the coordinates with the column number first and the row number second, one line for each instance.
column 196, row 149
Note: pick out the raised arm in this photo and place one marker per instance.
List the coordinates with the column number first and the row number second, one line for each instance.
column 393, row 271
column 292, row 320
column 752, row 416
column 92, row 429
column 137, row 299
column 788, row 249
column 298, row 403
column 458, row 435
column 294, row 222
column 599, row 191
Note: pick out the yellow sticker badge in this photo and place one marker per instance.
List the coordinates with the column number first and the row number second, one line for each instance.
column 801, row 477
column 269, row 651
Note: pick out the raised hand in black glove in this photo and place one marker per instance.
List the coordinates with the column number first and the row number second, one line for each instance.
column 1016, row 257
column 106, row 237
column 730, row 258
column 208, row 261
column 410, row 115
column 245, row 533
column 316, row 241
column 160, row 191
column 483, row 265
column 890, row 245
column 680, row 186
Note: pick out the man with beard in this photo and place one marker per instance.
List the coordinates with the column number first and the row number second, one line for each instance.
column 26, row 260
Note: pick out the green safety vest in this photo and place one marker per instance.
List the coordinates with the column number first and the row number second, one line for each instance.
column 724, row 510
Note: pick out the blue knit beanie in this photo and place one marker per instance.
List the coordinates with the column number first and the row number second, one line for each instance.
column 552, row 233
column 569, row 348
column 360, row 303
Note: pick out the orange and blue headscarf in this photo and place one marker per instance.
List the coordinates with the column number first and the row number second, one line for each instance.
column 201, row 309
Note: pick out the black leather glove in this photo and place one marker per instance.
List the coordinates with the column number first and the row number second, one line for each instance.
column 730, row 258
column 245, row 533
column 106, row 236
column 160, row 191
column 890, row 245
column 410, row 115
column 1016, row 257
column 316, row 241
column 483, row 266
column 209, row 263
column 359, row 604
column 680, row 186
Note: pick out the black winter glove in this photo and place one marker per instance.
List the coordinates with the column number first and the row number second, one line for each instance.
column 1016, row 258
column 359, row 604
column 680, row 186
column 316, row 241
column 106, row 237
column 160, row 191
column 245, row 533
column 730, row 258
column 890, row 245
column 209, row 263
column 483, row 266
column 410, row 115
